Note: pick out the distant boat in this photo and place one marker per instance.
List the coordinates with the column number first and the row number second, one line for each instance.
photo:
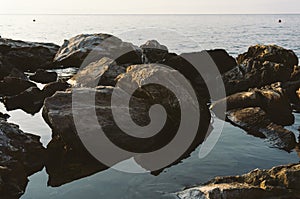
column 279, row 21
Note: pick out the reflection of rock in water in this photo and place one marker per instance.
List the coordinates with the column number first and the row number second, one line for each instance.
column 65, row 165
column 298, row 149
column 22, row 155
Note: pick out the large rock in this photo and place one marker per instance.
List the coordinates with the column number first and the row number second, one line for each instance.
column 43, row 77
column 261, row 65
column 10, row 86
column 280, row 182
column 211, row 64
column 256, row 122
column 222, row 59
column 154, row 52
column 74, row 51
column 32, row 99
column 22, row 155
column 26, row 56
column 102, row 73
column 274, row 102
column 271, row 53
column 59, row 114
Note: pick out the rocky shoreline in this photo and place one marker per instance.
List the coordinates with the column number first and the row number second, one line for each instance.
column 262, row 92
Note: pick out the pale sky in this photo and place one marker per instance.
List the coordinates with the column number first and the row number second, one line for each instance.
column 149, row 6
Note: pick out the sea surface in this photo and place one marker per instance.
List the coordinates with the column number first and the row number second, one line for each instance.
column 235, row 153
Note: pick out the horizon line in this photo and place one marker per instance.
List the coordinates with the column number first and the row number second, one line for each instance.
column 150, row 14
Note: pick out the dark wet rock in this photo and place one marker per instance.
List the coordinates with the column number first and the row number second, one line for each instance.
column 32, row 99
column 256, row 122
column 295, row 76
column 154, row 52
column 223, row 60
column 274, row 102
column 211, row 64
column 102, row 73
column 260, row 66
column 51, row 88
column 44, row 77
column 65, row 165
column 74, row 51
column 16, row 73
column 22, row 154
column 280, row 182
column 10, row 86
column 26, row 56
column 270, row 53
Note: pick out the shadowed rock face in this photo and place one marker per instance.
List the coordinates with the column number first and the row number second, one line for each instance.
column 25, row 56
column 22, row 155
column 75, row 50
column 279, row 182
column 43, row 77
column 261, row 65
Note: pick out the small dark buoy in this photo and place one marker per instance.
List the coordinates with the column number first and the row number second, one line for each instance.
column 33, row 20
column 279, row 21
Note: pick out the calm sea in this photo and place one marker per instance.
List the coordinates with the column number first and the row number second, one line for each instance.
column 235, row 153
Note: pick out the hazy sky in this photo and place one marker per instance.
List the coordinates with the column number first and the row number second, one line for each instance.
column 148, row 6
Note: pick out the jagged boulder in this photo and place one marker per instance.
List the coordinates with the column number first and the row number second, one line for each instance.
column 75, row 50
column 260, row 66
column 280, row 182
column 26, row 56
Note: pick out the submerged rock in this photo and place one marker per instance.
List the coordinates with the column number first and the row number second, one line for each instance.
column 22, row 154
column 74, row 51
column 256, row 122
column 102, row 73
column 43, row 77
column 280, row 182
column 26, row 56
